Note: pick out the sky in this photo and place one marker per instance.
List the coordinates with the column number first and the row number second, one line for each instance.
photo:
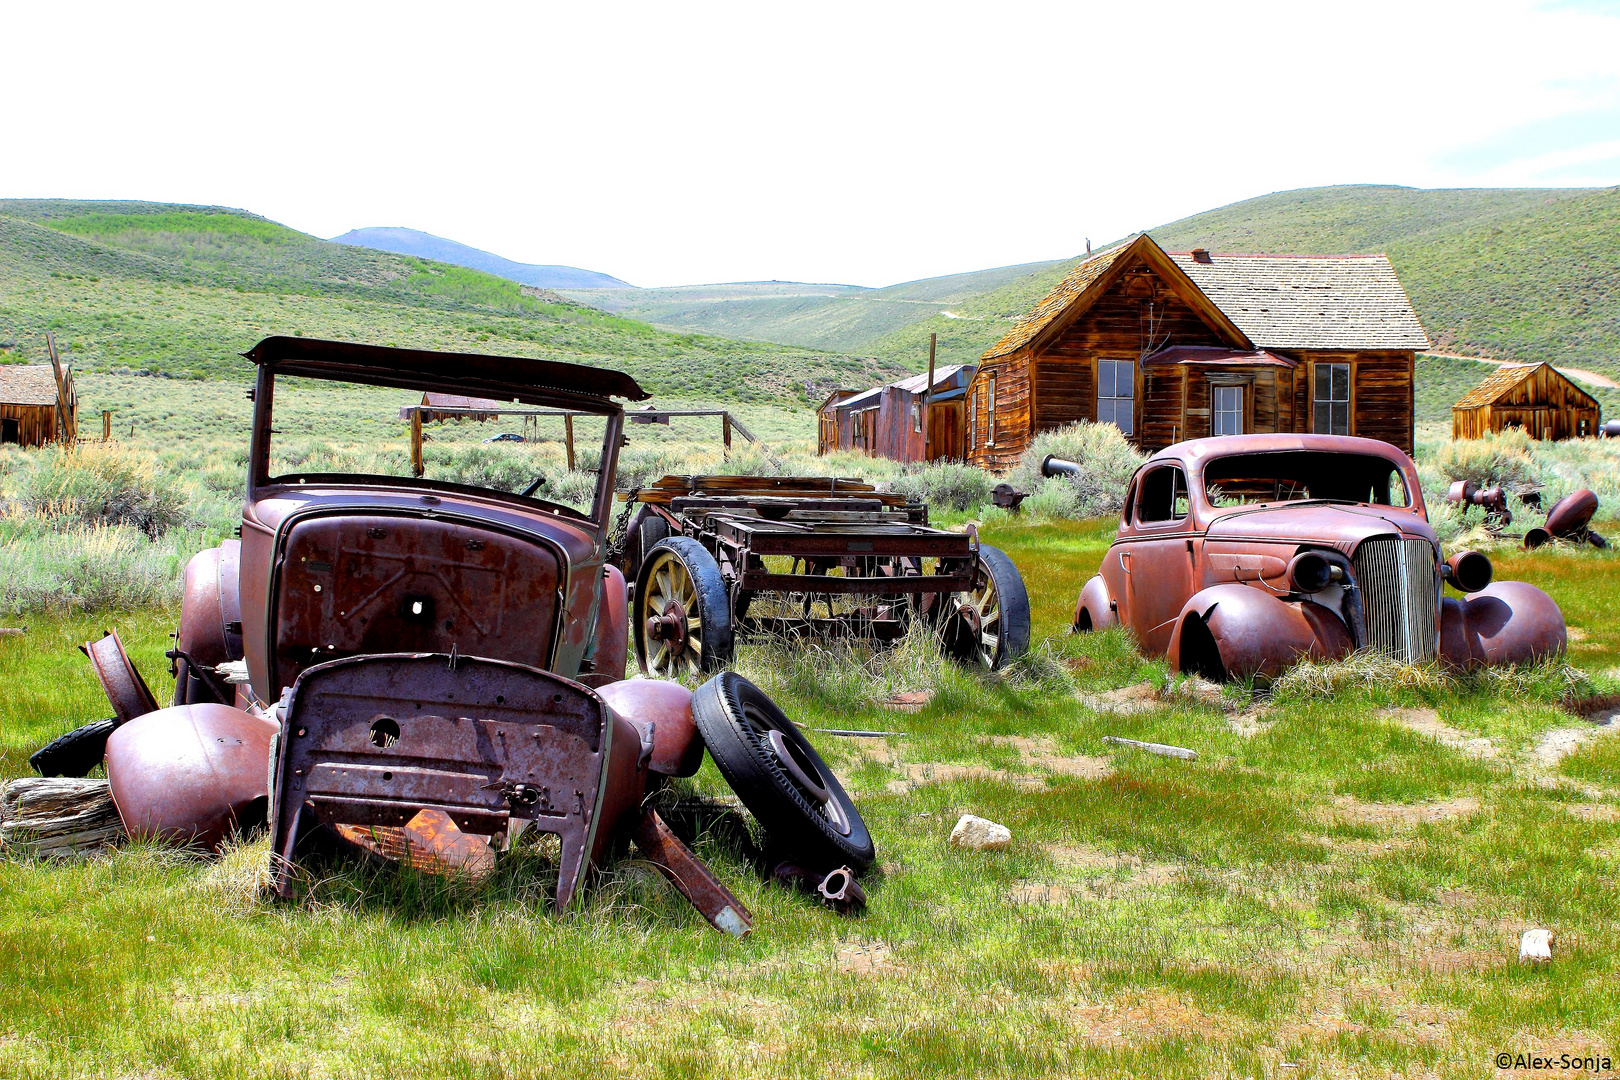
column 864, row 143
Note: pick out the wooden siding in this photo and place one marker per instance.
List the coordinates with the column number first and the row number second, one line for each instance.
column 1063, row 393
column 1161, row 419
column 1544, row 403
column 1013, row 431
column 28, row 425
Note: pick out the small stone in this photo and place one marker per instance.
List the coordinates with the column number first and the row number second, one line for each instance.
column 980, row 834
column 1535, row 947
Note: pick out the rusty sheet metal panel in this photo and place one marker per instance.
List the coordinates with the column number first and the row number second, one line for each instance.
column 694, row 881
column 354, row 584
column 375, row 740
column 190, row 773
column 430, row 842
column 1400, row 588
column 1507, row 622
column 126, row 690
column 666, row 708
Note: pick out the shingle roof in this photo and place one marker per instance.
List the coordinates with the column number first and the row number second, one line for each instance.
column 1082, row 276
column 1498, row 383
column 1310, row 302
column 27, row 384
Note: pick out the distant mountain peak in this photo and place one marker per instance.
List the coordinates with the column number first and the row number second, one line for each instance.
column 403, row 241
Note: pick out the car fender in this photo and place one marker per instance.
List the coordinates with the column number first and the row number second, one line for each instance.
column 1235, row 631
column 210, row 630
column 1095, row 608
column 1507, row 622
column 610, row 650
column 665, row 708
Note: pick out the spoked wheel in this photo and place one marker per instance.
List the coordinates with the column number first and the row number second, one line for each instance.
column 681, row 620
column 988, row 625
column 779, row 776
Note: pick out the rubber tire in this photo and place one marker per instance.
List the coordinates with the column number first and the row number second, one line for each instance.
column 794, row 824
column 75, row 753
column 1014, row 600
column 644, row 529
column 713, row 605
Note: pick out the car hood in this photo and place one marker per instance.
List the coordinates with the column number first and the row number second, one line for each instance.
column 1340, row 526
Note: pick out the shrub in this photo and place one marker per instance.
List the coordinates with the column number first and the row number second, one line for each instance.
column 946, row 485
column 87, row 568
column 101, row 486
column 1107, row 463
column 1495, row 459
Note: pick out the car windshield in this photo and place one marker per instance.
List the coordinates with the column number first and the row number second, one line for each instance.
column 323, row 428
column 1294, row 476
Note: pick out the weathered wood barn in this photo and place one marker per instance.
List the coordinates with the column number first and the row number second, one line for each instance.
column 436, row 407
column 1535, row 397
column 32, row 412
column 888, row 421
column 1182, row 346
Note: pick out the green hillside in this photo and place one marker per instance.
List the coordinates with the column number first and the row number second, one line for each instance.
column 1528, row 274
column 182, row 290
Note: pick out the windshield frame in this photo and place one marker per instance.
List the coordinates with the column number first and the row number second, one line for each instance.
column 1397, row 461
column 261, row 483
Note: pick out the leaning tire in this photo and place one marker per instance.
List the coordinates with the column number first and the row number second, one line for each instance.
column 75, row 753
column 989, row 624
column 779, row 776
column 681, row 616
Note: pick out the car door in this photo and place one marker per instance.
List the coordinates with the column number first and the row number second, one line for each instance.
column 1157, row 562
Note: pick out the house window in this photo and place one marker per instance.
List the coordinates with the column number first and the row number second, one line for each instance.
column 1332, row 400
column 990, row 413
column 973, row 421
column 1228, row 410
column 1116, row 394
column 916, row 417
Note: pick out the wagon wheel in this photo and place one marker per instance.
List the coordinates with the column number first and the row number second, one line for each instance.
column 989, row 623
column 681, row 620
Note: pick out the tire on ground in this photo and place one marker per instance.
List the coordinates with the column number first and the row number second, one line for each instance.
column 75, row 753
column 779, row 776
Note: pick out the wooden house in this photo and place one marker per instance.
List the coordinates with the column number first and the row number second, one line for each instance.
column 33, row 411
column 888, row 421
column 436, row 407
column 1182, row 346
column 1535, row 397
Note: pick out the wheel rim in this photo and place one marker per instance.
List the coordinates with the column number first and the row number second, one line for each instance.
column 670, row 620
column 977, row 622
column 798, row 767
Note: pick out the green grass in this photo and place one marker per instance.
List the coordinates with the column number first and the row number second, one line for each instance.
column 1286, row 898
column 183, row 290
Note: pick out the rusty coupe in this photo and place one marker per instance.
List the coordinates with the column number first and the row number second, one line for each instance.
column 428, row 667
column 1238, row 555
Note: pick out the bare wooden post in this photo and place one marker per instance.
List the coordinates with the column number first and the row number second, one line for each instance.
column 106, row 425
column 64, row 427
column 568, row 438
column 928, row 433
column 725, row 436
column 417, row 468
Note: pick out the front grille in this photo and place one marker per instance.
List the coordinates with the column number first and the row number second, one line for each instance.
column 1400, row 594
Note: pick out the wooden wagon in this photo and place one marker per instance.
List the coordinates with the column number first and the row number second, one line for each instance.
column 711, row 557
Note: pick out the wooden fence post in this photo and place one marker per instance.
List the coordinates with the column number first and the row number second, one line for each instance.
column 725, row 436
column 568, row 438
column 417, row 469
column 933, row 340
column 106, row 425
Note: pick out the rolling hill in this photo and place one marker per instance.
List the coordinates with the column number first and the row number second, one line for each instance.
column 182, row 290
column 427, row 246
column 1516, row 274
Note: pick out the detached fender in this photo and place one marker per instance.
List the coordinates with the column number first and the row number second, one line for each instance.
column 191, row 773
column 665, row 708
column 1095, row 608
column 1234, row 631
column 210, row 618
column 1507, row 622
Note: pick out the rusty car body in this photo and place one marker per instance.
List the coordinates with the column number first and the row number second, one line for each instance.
column 1236, row 556
column 428, row 668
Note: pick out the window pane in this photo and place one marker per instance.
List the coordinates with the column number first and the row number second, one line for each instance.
column 1323, row 382
column 1341, row 382
column 1105, row 378
column 1125, row 379
column 1323, row 421
column 1341, row 419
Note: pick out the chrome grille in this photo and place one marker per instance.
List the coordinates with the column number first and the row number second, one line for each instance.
column 1400, row 594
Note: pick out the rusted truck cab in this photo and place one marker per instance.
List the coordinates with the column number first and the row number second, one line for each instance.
column 1237, row 556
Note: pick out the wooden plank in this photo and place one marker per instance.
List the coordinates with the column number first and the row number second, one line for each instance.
column 417, row 469
column 568, row 439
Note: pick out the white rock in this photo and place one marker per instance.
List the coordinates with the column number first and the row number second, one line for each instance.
column 1535, row 947
column 980, row 834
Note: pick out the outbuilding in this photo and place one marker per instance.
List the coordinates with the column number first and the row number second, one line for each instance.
column 889, row 421
column 31, row 410
column 1173, row 346
column 1535, row 397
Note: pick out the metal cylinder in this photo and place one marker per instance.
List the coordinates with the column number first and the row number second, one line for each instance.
column 1052, row 465
column 1468, row 571
column 1311, row 571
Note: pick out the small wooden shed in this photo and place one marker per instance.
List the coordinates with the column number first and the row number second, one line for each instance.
column 1535, row 397
column 436, row 407
column 30, row 411
column 888, row 421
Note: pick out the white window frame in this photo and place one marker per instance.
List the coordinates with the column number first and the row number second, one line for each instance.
column 1318, row 402
column 1217, row 410
column 1113, row 398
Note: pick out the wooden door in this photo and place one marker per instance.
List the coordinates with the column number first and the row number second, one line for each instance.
column 946, row 434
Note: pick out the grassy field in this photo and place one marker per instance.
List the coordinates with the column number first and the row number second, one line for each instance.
column 184, row 290
column 1334, row 888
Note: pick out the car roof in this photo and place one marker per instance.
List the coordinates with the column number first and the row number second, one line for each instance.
column 500, row 377
column 1197, row 451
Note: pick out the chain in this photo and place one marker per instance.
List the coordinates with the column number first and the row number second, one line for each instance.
column 618, row 534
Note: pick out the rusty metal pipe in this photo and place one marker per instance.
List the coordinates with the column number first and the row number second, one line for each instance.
column 1467, row 571
column 1051, row 465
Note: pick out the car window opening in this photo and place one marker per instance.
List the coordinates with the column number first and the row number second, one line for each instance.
column 1249, row 479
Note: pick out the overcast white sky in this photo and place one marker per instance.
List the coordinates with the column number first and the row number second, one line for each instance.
column 864, row 143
